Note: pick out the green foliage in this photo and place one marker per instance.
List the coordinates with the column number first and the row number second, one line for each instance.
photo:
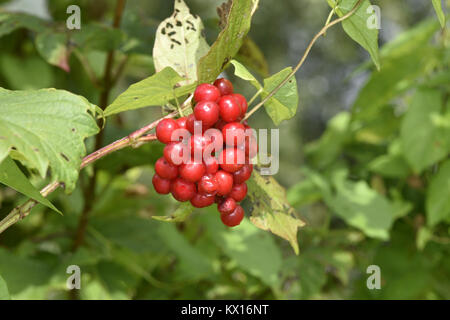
column 437, row 4
column 229, row 40
column 438, row 196
column 180, row 43
column 46, row 128
column 156, row 90
column 4, row 293
column 270, row 210
column 13, row 177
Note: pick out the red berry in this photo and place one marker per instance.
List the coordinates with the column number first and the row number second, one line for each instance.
column 229, row 108
column 181, row 122
column 202, row 200
column 207, row 112
column 250, row 147
column 232, row 159
column 233, row 219
column 162, row 186
column 238, row 192
column 192, row 171
column 211, row 164
column 182, row 190
column 215, row 142
column 242, row 101
column 224, row 182
column 190, row 123
column 233, row 134
column 176, row 153
column 207, row 184
column 206, row 92
column 198, row 144
column 165, row 170
column 225, row 86
column 243, row 174
column 164, row 130
column 227, row 206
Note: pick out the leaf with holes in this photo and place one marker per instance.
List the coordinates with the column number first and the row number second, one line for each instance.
column 180, row 43
column 179, row 215
column 155, row 90
column 229, row 40
column 283, row 104
column 11, row 176
column 46, row 128
column 271, row 211
column 361, row 26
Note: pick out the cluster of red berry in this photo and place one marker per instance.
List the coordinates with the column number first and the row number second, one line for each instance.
column 225, row 145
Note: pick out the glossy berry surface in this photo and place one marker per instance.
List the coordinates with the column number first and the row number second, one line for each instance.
column 165, row 170
column 229, row 108
column 233, row 134
column 162, row 186
column 192, row 171
column 202, row 200
column 242, row 101
column 239, row 192
column 207, row 184
column 207, row 112
column 176, row 153
column 182, row 122
column 225, row 86
column 227, row 205
column 164, row 130
column 211, row 164
column 232, row 159
column 233, row 219
column 224, row 182
column 182, row 190
column 206, row 92
column 243, row 174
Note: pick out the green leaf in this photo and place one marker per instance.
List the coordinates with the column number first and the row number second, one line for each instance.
column 155, row 90
column 4, row 293
column 393, row 164
column 180, row 214
column 424, row 140
column 438, row 196
column 96, row 37
column 229, row 40
column 437, row 4
column 13, row 21
column 46, row 128
column 53, row 48
column 283, row 105
column 13, row 177
column 252, row 56
column 180, row 43
column 243, row 73
column 271, row 211
column 357, row 26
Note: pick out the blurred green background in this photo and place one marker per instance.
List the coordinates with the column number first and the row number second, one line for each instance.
column 128, row 255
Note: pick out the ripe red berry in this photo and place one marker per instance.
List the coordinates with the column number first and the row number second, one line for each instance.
column 207, row 184
column 243, row 174
column 176, row 153
column 198, row 144
column 242, row 101
column 206, row 92
column 231, row 159
column 238, row 192
column 162, row 186
column 192, row 171
column 207, row 112
column 233, row 219
column 164, row 130
column 190, row 123
column 229, row 108
column 202, row 200
column 250, row 147
column 211, row 164
column 220, row 124
column 165, row 170
column 233, row 134
column 181, row 122
column 182, row 190
column 227, row 205
column 225, row 86
column 224, row 182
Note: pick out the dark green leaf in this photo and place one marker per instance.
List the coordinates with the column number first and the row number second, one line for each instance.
column 438, row 196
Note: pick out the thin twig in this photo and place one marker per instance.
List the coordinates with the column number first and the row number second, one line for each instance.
column 302, row 60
